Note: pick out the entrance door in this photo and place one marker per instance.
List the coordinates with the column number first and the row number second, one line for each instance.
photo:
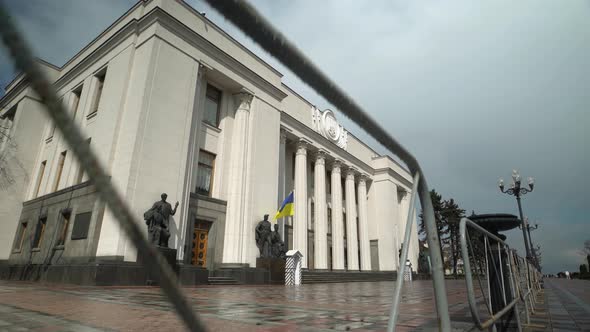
column 200, row 238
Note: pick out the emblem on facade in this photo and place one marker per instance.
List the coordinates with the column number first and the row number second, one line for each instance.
column 325, row 123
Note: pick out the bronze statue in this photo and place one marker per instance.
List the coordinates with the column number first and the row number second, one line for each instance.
column 263, row 237
column 278, row 246
column 157, row 220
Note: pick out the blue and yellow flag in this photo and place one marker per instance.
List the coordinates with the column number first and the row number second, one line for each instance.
column 286, row 208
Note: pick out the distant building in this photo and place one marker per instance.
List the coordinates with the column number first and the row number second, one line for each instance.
column 171, row 103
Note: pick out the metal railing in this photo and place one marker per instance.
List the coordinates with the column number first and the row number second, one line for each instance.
column 504, row 279
column 251, row 22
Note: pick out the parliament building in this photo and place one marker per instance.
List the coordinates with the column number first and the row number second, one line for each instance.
column 171, row 103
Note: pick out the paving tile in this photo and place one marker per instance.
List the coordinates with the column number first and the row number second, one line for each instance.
column 318, row 307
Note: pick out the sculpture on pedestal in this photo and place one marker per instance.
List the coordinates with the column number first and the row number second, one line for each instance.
column 263, row 237
column 157, row 220
column 268, row 242
column 278, row 246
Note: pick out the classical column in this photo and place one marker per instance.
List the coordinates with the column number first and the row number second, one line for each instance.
column 321, row 213
column 402, row 197
column 337, row 223
column 364, row 225
column 282, row 194
column 190, row 176
column 300, row 201
column 235, row 218
column 351, row 234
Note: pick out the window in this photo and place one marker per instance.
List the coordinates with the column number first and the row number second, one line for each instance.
column 40, row 178
column 357, row 231
column 98, row 92
column 312, row 176
column 344, row 223
column 21, row 236
column 77, row 93
column 312, row 219
column 212, row 105
column 65, row 224
column 329, row 183
column 39, row 232
column 329, row 220
column 293, row 168
column 205, row 173
column 52, row 126
column 60, row 168
column 80, row 174
column 51, row 131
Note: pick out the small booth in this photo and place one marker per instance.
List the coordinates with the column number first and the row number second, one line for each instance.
column 293, row 268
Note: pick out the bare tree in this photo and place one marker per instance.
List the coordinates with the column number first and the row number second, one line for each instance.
column 10, row 166
column 586, row 251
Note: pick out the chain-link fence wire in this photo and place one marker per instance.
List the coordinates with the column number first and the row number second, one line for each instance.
column 153, row 260
column 253, row 24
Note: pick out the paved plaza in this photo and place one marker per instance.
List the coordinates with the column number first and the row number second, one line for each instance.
column 357, row 307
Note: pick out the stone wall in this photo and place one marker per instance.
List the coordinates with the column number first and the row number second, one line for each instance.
column 76, row 209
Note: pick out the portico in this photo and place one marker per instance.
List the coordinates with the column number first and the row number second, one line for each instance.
column 330, row 225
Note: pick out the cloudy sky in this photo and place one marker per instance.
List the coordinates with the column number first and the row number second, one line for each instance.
column 472, row 88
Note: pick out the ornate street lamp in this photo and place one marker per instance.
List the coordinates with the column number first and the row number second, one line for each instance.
column 534, row 250
column 516, row 190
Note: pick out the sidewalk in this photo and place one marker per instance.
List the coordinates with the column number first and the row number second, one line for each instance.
column 568, row 304
column 361, row 306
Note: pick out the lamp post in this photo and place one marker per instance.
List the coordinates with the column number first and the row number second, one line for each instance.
column 533, row 249
column 516, row 190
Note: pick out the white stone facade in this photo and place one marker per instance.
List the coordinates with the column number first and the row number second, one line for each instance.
column 138, row 91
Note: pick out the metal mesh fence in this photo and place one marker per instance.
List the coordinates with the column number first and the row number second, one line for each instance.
column 500, row 286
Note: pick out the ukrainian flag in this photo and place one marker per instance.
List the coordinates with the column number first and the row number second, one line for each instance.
column 286, row 208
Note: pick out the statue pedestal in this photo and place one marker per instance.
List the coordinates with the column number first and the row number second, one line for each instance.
column 275, row 268
column 170, row 256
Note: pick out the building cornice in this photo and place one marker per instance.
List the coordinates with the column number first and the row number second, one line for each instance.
column 14, row 91
column 317, row 137
column 158, row 15
column 58, row 193
column 232, row 39
column 193, row 38
column 119, row 37
column 394, row 162
column 200, row 197
column 393, row 174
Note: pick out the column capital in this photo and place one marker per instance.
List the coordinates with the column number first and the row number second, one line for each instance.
column 320, row 155
column 337, row 165
column 283, row 136
column 302, row 146
column 204, row 66
column 351, row 172
column 243, row 99
column 363, row 179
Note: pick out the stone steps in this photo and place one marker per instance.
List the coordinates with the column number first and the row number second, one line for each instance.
column 222, row 281
column 313, row 277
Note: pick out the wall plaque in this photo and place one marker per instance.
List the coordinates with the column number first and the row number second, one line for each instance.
column 81, row 226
